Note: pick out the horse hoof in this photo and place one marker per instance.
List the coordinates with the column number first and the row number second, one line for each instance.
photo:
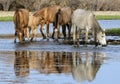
column 31, row 39
column 14, row 41
column 44, row 37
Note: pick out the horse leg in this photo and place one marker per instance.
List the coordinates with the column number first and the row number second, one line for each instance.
column 53, row 33
column 69, row 30
column 64, row 31
column 32, row 33
column 44, row 37
column 28, row 33
column 57, row 33
column 78, row 36
column 47, row 35
column 15, row 36
column 35, row 33
column 74, row 34
column 86, row 37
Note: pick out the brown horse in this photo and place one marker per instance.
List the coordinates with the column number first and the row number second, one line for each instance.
column 46, row 16
column 63, row 18
column 32, row 25
column 21, row 18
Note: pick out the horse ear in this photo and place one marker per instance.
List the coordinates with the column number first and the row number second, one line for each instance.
column 104, row 30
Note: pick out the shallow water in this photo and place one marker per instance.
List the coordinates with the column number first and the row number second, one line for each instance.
column 49, row 62
column 109, row 23
column 8, row 27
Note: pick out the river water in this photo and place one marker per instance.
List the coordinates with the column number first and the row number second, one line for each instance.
column 103, row 23
column 49, row 62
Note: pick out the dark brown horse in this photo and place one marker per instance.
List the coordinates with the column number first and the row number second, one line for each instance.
column 21, row 18
column 46, row 16
column 63, row 18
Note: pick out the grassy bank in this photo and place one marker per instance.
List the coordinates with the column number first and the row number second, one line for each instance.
column 108, row 17
column 7, row 18
column 99, row 17
column 113, row 32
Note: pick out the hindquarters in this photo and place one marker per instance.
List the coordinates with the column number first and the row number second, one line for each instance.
column 21, row 18
column 63, row 18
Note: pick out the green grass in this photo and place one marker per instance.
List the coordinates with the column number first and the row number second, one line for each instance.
column 108, row 17
column 99, row 17
column 113, row 32
column 8, row 18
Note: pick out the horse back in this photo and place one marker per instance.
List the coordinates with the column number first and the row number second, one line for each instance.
column 66, row 13
column 83, row 18
column 21, row 18
column 51, row 11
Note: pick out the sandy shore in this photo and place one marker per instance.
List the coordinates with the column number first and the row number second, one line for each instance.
column 8, row 13
column 11, row 13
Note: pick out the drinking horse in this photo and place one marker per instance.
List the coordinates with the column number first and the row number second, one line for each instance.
column 63, row 18
column 33, row 25
column 21, row 18
column 85, row 20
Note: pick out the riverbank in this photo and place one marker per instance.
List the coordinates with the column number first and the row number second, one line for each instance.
column 100, row 15
column 113, row 32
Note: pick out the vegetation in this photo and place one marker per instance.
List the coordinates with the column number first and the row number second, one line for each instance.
column 113, row 32
column 108, row 17
column 7, row 18
column 32, row 5
column 99, row 17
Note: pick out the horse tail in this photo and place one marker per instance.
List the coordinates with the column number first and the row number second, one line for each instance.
column 57, row 18
column 17, row 19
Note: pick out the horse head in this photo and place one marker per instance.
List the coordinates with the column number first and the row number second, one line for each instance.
column 101, row 37
column 20, row 36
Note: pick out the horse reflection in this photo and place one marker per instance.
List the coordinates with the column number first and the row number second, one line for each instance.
column 34, row 60
column 86, row 68
column 21, row 64
column 55, row 62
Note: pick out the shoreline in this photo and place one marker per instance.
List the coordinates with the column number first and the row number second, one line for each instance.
column 109, row 41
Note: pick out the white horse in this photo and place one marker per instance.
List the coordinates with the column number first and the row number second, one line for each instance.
column 85, row 20
column 86, row 66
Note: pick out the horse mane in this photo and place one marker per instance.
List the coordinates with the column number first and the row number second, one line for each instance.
column 39, row 12
column 96, row 24
column 57, row 17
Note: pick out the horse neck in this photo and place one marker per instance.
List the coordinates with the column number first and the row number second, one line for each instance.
column 97, row 26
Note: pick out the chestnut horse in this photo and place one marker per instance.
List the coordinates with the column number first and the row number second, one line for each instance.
column 32, row 25
column 63, row 18
column 21, row 18
column 46, row 16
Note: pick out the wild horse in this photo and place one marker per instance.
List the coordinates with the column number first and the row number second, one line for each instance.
column 85, row 20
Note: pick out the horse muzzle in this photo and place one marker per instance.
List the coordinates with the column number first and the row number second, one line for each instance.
column 104, row 45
